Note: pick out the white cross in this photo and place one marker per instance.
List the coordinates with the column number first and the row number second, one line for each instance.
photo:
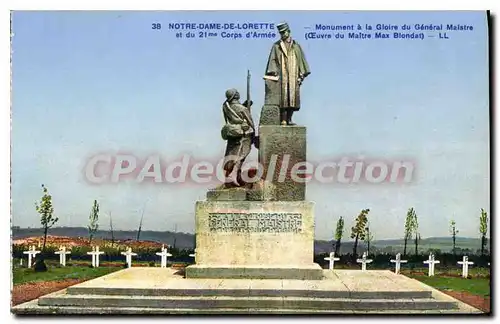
column 398, row 262
column 193, row 255
column 62, row 255
column 432, row 264
column 31, row 254
column 128, row 257
column 332, row 260
column 363, row 262
column 465, row 266
column 95, row 256
column 163, row 254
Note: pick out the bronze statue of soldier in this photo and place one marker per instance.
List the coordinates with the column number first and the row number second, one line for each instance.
column 239, row 132
column 288, row 67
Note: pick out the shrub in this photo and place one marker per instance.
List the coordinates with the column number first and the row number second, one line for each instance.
column 40, row 266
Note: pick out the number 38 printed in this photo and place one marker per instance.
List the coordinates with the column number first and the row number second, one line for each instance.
column 155, row 26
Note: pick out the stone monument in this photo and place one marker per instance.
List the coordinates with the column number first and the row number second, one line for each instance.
column 263, row 229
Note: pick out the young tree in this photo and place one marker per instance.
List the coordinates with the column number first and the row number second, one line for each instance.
column 358, row 232
column 93, row 221
column 368, row 237
column 417, row 241
column 111, row 230
column 415, row 230
column 140, row 224
column 409, row 226
column 453, row 232
column 339, row 232
column 483, row 228
column 175, row 234
column 47, row 219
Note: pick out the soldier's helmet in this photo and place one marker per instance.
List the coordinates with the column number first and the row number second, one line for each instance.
column 231, row 94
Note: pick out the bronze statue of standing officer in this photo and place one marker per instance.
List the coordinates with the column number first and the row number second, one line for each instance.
column 285, row 71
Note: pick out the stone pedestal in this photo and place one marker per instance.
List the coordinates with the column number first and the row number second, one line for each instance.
column 270, row 115
column 270, row 112
column 288, row 146
column 255, row 239
column 265, row 231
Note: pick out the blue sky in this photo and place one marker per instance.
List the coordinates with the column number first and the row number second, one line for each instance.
column 88, row 82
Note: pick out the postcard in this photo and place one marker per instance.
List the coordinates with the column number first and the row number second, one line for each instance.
column 250, row 162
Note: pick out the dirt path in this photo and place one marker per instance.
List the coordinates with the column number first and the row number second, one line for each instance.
column 479, row 302
column 32, row 290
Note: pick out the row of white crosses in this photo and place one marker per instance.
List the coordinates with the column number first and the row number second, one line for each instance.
column 95, row 253
column 465, row 265
column 431, row 262
column 32, row 253
column 332, row 260
column 163, row 255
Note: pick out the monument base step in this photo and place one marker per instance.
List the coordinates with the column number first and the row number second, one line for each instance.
column 313, row 292
column 312, row 272
column 34, row 309
column 162, row 291
column 183, row 302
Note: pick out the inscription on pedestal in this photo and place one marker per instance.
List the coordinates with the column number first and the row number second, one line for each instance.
column 255, row 222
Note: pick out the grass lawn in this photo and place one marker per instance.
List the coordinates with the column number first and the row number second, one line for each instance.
column 24, row 275
column 456, row 271
column 475, row 286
